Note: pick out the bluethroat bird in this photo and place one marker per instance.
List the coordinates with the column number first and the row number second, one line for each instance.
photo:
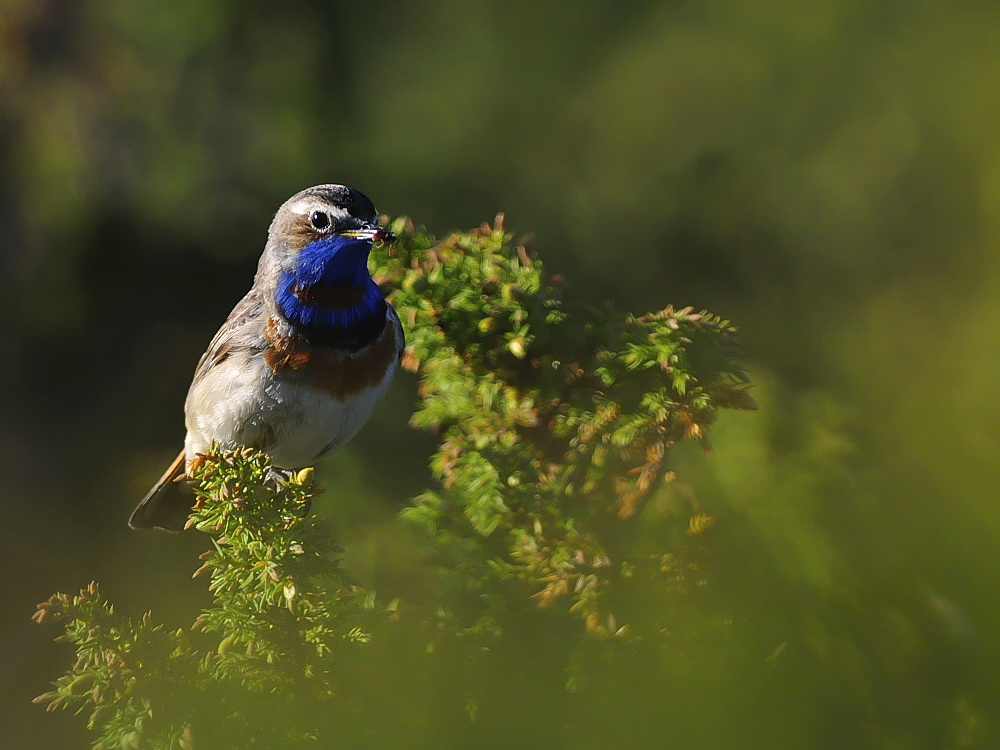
column 302, row 360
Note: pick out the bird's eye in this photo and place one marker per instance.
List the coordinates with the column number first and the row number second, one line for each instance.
column 320, row 220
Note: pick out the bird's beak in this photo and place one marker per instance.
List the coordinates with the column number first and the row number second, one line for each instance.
column 370, row 233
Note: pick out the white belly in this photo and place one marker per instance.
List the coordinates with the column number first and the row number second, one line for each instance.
column 241, row 403
column 310, row 424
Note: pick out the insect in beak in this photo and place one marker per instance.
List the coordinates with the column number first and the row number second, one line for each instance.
column 384, row 235
column 373, row 234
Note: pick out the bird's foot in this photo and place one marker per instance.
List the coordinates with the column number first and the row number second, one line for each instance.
column 280, row 477
column 277, row 476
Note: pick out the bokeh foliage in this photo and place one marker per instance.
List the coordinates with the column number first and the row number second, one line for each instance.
column 825, row 173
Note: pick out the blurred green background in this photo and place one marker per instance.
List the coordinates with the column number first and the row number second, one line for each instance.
column 825, row 174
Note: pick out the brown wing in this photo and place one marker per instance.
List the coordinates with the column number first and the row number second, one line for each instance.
column 168, row 504
column 243, row 329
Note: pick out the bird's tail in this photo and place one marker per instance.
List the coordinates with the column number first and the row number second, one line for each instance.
column 167, row 505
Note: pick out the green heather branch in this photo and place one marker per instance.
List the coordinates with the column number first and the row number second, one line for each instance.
column 555, row 423
column 283, row 616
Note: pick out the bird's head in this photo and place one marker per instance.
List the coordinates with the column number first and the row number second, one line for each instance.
column 326, row 229
column 316, row 261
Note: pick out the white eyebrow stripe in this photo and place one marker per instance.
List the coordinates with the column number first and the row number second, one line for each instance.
column 307, row 205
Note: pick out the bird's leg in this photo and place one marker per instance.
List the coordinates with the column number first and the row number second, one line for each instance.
column 278, row 477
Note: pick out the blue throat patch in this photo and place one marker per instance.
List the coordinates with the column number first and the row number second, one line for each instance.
column 329, row 298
